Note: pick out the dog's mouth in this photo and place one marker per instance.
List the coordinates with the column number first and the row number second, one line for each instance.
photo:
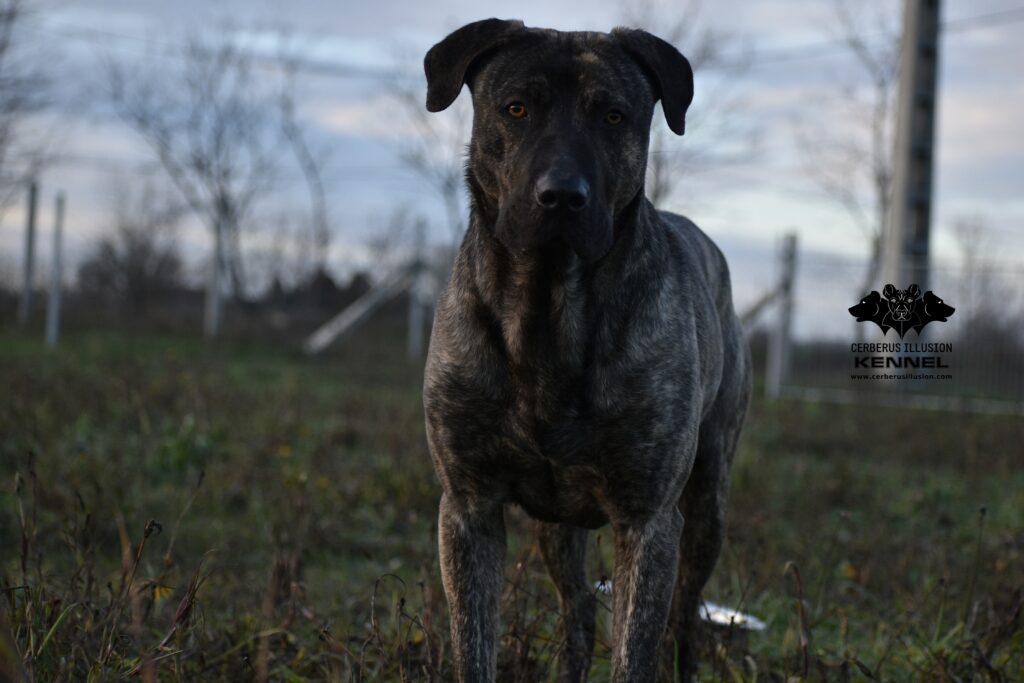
column 588, row 233
column 591, row 240
column 901, row 313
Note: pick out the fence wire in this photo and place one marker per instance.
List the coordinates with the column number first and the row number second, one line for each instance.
column 981, row 369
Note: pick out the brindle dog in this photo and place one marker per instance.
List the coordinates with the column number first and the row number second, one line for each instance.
column 585, row 363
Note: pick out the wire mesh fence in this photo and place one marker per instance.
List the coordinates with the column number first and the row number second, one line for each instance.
column 971, row 359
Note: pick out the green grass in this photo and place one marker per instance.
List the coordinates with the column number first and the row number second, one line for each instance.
column 296, row 503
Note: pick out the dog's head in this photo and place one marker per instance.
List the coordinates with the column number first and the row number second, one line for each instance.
column 935, row 308
column 869, row 308
column 561, row 124
column 901, row 301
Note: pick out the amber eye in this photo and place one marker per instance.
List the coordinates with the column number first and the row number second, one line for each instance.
column 516, row 110
column 614, row 117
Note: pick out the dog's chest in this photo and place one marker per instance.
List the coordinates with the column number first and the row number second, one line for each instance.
column 554, row 462
column 547, row 344
column 554, row 399
column 572, row 370
column 551, row 411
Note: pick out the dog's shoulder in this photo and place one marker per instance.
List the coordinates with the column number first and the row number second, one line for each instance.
column 701, row 256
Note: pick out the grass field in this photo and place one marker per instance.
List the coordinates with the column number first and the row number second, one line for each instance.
column 178, row 513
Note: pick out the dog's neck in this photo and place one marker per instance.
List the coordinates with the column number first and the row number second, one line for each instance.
column 547, row 297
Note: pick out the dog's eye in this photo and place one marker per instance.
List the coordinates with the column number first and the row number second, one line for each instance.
column 614, row 117
column 516, row 110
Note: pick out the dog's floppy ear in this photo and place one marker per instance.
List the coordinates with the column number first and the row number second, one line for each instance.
column 447, row 62
column 670, row 68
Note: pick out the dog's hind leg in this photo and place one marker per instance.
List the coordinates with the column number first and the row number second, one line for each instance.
column 471, row 540
column 703, row 508
column 564, row 548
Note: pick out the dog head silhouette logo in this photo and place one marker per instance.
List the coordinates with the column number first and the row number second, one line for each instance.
column 932, row 308
column 873, row 308
column 901, row 309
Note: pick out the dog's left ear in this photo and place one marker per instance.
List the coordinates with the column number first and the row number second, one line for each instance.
column 447, row 62
column 670, row 68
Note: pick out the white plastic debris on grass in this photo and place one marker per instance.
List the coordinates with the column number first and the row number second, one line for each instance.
column 724, row 616
column 710, row 612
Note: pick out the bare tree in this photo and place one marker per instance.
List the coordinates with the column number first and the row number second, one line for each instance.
column 717, row 133
column 138, row 261
column 392, row 233
column 312, row 166
column 24, row 90
column 214, row 129
column 850, row 157
column 973, row 239
column 285, row 252
column 436, row 149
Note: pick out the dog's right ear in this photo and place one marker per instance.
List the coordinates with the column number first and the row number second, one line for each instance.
column 888, row 291
column 447, row 62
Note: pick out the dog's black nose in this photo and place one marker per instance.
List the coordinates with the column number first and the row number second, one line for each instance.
column 557, row 191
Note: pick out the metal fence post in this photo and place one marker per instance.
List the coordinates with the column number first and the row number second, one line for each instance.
column 779, row 341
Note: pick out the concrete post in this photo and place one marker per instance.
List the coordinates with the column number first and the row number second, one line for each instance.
column 779, row 342
column 28, row 267
column 415, row 345
column 53, row 305
column 908, row 225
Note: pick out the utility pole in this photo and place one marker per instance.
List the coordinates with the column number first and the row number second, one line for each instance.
column 905, row 249
column 53, row 306
column 28, row 268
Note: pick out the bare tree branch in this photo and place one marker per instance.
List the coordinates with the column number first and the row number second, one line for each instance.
column 137, row 261
column 311, row 166
column 215, row 133
column 853, row 164
column 436, row 148
column 24, row 91
column 717, row 134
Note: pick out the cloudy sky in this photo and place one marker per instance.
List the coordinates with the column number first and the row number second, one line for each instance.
column 793, row 80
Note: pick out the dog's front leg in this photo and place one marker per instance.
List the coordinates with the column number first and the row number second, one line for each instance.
column 471, row 541
column 646, row 559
